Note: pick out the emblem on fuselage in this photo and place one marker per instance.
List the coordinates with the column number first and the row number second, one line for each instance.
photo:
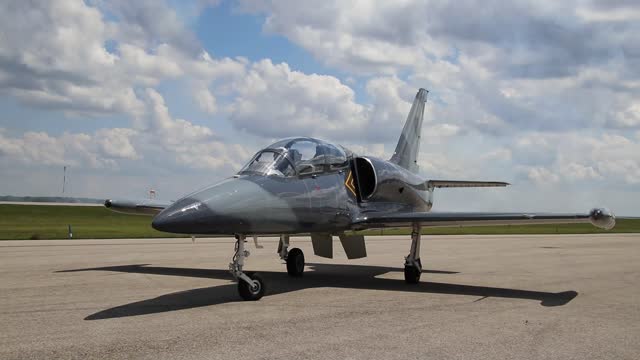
column 350, row 183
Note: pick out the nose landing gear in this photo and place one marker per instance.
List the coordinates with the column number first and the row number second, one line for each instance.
column 251, row 287
column 253, row 291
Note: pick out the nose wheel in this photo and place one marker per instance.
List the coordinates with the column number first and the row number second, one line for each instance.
column 251, row 291
column 251, row 287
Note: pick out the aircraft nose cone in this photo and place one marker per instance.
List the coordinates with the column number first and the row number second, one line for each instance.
column 233, row 206
column 181, row 217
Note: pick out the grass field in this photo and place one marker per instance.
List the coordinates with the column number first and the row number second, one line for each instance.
column 51, row 222
column 96, row 222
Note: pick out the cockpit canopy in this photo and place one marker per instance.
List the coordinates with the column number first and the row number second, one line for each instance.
column 297, row 156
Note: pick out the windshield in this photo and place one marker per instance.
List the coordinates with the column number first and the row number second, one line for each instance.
column 269, row 162
column 310, row 156
column 300, row 156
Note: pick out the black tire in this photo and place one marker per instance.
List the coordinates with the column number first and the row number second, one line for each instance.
column 295, row 262
column 248, row 293
column 411, row 275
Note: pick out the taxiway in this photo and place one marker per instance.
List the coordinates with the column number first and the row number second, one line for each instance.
column 524, row 297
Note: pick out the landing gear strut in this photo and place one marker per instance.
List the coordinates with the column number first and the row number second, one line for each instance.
column 250, row 285
column 294, row 258
column 412, row 263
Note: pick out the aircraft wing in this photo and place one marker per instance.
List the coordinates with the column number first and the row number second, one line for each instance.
column 136, row 207
column 461, row 184
column 433, row 184
column 601, row 218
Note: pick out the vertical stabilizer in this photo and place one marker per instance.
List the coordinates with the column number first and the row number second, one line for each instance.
column 407, row 149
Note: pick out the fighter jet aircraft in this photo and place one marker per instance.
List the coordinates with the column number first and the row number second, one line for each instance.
column 303, row 185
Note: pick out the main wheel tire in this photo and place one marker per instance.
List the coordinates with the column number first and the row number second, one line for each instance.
column 411, row 274
column 295, row 262
column 249, row 292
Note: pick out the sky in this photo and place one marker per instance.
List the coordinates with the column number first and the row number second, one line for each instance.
column 174, row 95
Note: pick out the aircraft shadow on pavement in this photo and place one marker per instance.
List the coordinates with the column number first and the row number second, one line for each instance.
column 323, row 275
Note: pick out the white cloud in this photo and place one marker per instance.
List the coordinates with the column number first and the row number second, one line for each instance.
column 615, row 14
column 275, row 101
column 501, row 154
column 629, row 117
column 542, row 176
column 551, row 101
column 572, row 157
column 390, row 99
column 361, row 38
column 66, row 55
column 190, row 145
column 57, row 55
column 206, row 100
column 537, row 75
column 116, row 143
column 100, row 150
column 163, row 139
column 575, row 171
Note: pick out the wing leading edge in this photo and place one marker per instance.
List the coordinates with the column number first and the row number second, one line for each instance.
column 601, row 218
column 462, row 184
column 136, row 207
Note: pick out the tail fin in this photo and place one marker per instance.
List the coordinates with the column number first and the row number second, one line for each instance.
column 407, row 149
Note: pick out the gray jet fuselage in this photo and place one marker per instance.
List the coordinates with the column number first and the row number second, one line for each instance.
column 326, row 201
column 303, row 185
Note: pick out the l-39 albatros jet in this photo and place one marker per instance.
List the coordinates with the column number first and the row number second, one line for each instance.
column 303, row 185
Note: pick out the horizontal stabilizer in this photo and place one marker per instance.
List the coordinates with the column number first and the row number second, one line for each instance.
column 462, row 184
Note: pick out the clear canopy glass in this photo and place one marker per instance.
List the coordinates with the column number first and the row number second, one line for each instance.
column 299, row 156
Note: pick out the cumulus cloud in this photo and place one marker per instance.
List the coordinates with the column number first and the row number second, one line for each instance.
column 159, row 138
column 581, row 157
column 629, row 117
column 501, row 154
column 522, row 65
column 188, row 144
column 542, row 176
column 54, row 56
column 206, row 100
column 274, row 101
column 537, row 92
column 66, row 55
column 149, row 23
column 98, row 150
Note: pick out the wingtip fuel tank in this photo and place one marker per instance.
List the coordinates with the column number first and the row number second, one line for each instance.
column 602, row 218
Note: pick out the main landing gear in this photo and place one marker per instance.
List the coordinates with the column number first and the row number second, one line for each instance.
column 412, row 263
column 250, row 285
column 294, row 258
